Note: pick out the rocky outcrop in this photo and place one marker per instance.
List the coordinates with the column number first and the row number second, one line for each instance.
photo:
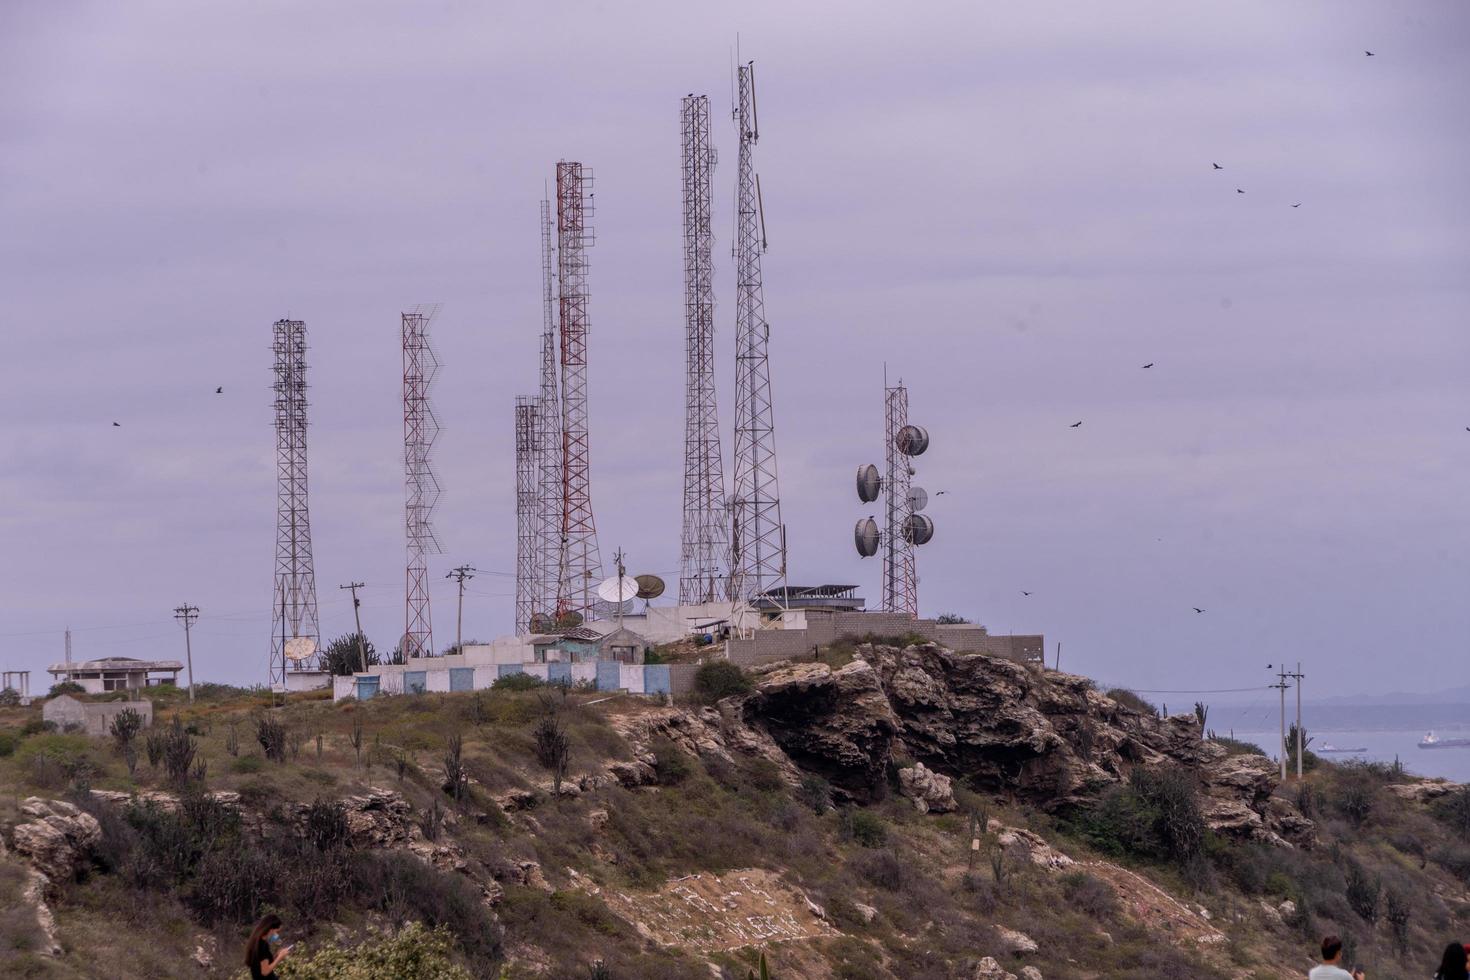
column 836, row 723
column 57, row 839
column 1048, row 738
column 930, row 791
column 1423, row 790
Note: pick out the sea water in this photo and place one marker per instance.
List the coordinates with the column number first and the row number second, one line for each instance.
column 1386, row 732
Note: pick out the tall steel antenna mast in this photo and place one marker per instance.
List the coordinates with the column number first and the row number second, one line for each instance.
column 582, row 562
column 293, row 611
column 900, row 577
column 758, row 539
column 527, row 516
column 705, row 539
column 420, row 428
column 549, row 446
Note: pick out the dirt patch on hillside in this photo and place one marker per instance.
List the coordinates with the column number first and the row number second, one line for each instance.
column 714, row 913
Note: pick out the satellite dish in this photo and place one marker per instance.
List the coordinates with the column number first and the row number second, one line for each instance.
column 869, row 483
column 918, row 529
column 912, row 440
column 649, row 586
column 865, row 536
column 617, row 590
column 300, row 648
column 918, row 498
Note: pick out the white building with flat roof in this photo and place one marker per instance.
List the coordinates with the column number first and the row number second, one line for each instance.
column 116, row 674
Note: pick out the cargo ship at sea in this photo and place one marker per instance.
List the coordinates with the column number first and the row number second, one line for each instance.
column 1433, row 741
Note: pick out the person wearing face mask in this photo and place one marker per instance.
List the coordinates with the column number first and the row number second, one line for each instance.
column 258, row 957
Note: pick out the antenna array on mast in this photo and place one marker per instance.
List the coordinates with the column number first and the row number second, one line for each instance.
column 548, row 439
column 527, row 516
column 705, row 540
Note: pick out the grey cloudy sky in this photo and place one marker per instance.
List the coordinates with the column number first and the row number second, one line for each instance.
column 1010, row 204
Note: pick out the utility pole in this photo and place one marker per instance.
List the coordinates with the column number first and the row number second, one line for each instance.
column 1281, row 685
column 357, row 618
column 186, row 614
column 461, row 574
column 1300, row 737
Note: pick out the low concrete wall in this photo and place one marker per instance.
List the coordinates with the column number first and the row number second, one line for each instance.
column 95, row 717
column 767, row 646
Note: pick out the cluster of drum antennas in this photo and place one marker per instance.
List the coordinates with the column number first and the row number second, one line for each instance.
column 916, row 528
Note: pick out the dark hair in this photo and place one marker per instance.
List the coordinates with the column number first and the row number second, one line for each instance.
column 265, row 925
column 1452, row 966
column 1331, row 946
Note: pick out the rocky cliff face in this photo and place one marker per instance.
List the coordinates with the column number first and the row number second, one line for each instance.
column 1049, row 738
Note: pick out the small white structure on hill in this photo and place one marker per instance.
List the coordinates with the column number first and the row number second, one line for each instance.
column 116, row 674
column 94, row 717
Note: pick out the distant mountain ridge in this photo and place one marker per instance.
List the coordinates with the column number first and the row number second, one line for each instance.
column 1450, row 695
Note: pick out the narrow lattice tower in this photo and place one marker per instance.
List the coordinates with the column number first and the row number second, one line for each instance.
column 293, row 611
column 757, row 539
column 527, row 511
column 705, row 541
column 421, row 487
column 548, row 434
column 900, row 578
column 582, row 562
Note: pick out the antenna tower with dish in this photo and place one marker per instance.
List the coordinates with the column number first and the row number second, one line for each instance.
column 905, row 528
column 421, row 487
column 548, row 439
column 582, row 562
column 757, row 539
column 527, row 517
column 705, row 539
column 293, row 611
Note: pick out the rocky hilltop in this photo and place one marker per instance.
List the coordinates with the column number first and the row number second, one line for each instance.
column 885, row 811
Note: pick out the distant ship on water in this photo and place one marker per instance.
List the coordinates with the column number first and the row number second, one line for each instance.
column 1329, row 747
column 1433, row 741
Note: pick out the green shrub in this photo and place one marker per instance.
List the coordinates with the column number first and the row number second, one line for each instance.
column 66, row 687
column 8, row 742
column 412, row 953
column 671, row 763
column 1128, row 699
column 1155, row 815
column 9, row 698
column 1453, row 810
column 721, row 679
column 519, row 681
column 864, row 827
column 247, row 764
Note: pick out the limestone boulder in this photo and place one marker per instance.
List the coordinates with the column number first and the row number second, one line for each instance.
column 930, row 791
column 56, row 837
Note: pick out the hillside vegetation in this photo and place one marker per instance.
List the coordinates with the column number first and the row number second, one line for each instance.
column 893, row 812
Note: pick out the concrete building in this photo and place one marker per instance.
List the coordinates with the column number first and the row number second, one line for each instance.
column 94, row 717
column 116, row 674
column 18, row 681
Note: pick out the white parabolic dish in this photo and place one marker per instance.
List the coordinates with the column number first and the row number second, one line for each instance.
column 300, row 648
column 617, row 589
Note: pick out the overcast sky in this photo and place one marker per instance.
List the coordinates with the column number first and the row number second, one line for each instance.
column 1012, row 205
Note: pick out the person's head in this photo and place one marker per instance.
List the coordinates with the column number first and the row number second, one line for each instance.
column 1331, row 949
column 264, row 929
column 1452, row 965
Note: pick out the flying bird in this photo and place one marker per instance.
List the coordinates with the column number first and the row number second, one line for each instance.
column 1148, row 365
column 220, row 390
column 1239, row 191
column 940, row 493
column 1074, row 425
column 117, row 425
column 1297, row 204
column 1368, row 53
column 1024, row 592
column 1217, row 166
column 1197, row 609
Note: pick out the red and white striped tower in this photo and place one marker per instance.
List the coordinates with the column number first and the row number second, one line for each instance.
column 582, row 562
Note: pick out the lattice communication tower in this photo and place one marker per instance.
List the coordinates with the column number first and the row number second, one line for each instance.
column 421, row 487
column 293, row 611
column 705, row 539
column 758, row 538
column 582, row 562
column 548, row 434
column 900, row 576
column 527, row 516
